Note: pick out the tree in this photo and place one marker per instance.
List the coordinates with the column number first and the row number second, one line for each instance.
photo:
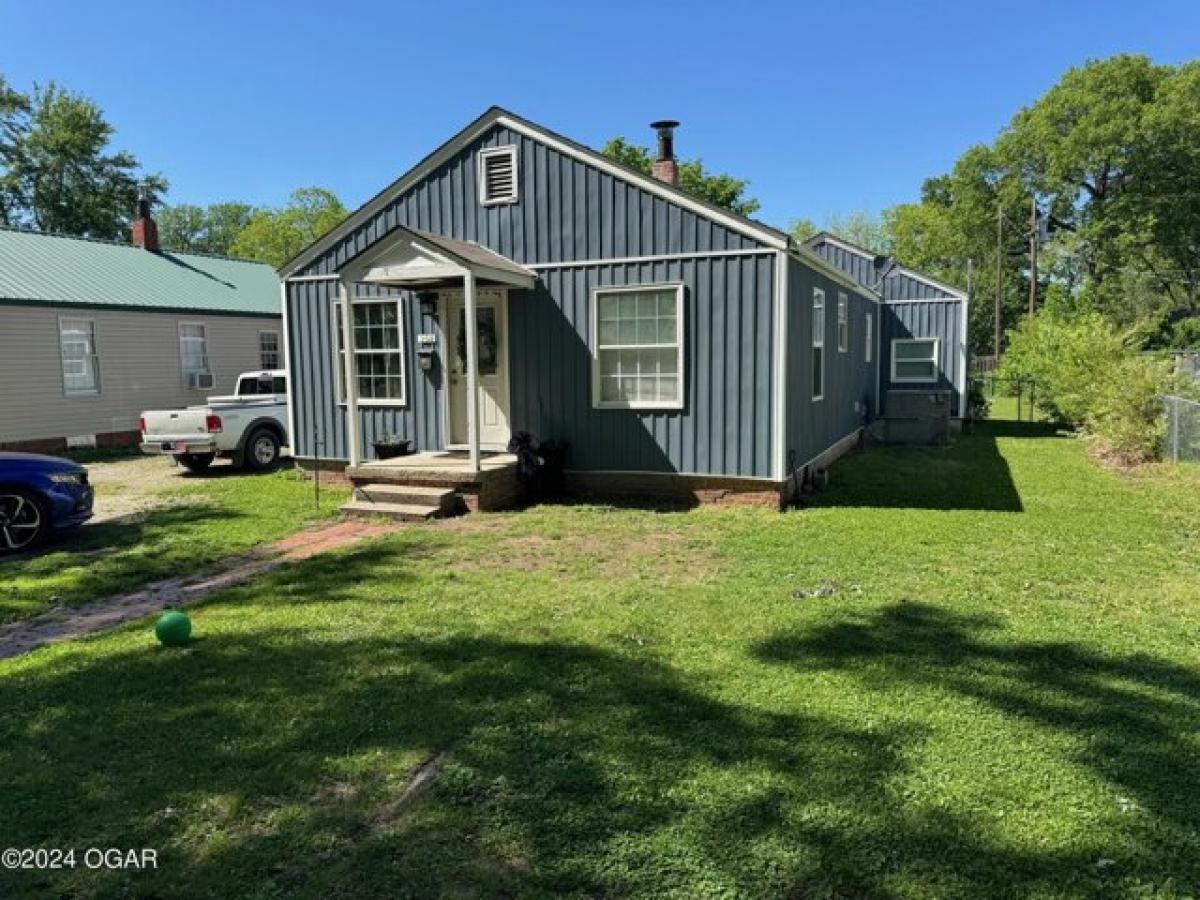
column 276, row 235
column 211, row 229
column 861, row 228
column 720, row 190
column 56, row 171
column 802, row 229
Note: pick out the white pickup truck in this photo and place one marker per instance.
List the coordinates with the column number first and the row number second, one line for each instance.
column 249, row 427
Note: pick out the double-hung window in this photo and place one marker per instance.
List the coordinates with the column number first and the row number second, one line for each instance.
column 378, row 351
column 193, row 356
column 818, row 343
column 80, row 361
column 268, row 349
column 843, row 322
column 869, row 333
column 638, row 347
column 915, row 360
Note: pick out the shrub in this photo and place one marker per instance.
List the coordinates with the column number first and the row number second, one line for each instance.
column 1126, row 417
column 1064, row 358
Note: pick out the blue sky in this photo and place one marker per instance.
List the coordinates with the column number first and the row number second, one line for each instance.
column 825, row 107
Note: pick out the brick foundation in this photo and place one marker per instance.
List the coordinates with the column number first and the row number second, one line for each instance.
column 58, row 445
column 645, row 488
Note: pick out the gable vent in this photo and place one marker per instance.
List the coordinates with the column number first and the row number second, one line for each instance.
column 498, row 175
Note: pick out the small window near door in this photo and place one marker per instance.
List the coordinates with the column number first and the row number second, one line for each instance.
column 498, row 175
column 80, row 361
column 638, row 359
column 843, row 322
column 818, row 343
column 268, row 349
column 378, row 352
column 915, row 360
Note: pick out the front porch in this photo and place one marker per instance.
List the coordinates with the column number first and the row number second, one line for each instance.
column 436, row 483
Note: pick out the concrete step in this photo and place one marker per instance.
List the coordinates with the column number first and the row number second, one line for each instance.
column 416, row 494
column 401, row 512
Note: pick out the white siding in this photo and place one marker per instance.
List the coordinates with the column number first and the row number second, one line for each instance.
column 139, row 367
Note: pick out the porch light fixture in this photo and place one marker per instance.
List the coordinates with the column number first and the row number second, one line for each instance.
column 429, row 304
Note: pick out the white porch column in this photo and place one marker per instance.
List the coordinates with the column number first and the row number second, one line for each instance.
column 353, row 435
column 469, row 323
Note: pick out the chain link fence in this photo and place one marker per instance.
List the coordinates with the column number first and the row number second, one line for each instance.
column 1182, row 440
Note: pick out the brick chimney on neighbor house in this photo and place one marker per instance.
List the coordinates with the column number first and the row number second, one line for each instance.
column 145, row 229
column 665, row 167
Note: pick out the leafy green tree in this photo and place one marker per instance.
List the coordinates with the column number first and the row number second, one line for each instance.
column 210, row 229
column 861, row 228
column 718, row 189
column 57, row 172
column 276, row 235
column 802, row 229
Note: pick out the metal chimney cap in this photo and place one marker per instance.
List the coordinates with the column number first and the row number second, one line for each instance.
column 664, row 123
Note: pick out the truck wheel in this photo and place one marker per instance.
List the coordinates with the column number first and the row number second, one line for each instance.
column 195, row 462
column 262, row 450
column 24, row 522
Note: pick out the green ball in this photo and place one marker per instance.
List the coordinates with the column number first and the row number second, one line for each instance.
column 173, row 628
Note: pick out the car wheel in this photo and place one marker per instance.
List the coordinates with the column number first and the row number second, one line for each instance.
column 23, row 520
column 262, row 450
column 195, row 462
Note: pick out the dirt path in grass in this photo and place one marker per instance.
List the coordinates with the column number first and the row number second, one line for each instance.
column 61, row 624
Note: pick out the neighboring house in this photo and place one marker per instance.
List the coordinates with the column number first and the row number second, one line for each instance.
column 923, row 342
column 92, row 333
column 667, row 341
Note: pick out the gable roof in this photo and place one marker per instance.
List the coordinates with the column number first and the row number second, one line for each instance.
column 51, row 268
column 892, row 266
column 772, row 237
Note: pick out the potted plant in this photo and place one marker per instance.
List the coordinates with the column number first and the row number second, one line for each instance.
column 390, row 446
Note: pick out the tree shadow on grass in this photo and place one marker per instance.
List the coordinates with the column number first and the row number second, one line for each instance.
column 969, row 474
column 271, row 764
column 109, row 557
column 1133, row 718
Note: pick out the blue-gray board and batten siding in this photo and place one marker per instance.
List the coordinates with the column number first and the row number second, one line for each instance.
column 568, row 212
column 941, row 319
column 849, row 380
column 896, row 284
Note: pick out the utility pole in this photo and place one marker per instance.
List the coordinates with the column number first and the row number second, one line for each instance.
column 1033, row 251
column 999, row 277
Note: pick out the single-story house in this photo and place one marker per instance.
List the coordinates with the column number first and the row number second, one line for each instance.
column 666, row 341
column 924, row 340
column 94, row 332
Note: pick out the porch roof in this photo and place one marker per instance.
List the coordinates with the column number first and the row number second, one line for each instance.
column 410, row 258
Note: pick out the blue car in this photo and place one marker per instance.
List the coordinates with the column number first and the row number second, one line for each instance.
column 40, row 495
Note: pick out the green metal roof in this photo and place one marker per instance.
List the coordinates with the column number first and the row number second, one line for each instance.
column 49, row 268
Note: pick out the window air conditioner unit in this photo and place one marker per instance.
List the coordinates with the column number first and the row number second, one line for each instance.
column 201, row 381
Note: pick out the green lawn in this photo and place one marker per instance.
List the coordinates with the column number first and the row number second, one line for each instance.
column 189, row 526
column 966, row 672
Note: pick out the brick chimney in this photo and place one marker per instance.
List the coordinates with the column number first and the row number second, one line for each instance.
column 665, row 167
column 145, row 229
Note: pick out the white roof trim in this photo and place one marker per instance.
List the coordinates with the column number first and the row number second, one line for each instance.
column 495, row 116
column 828, row 238
column 814, row 260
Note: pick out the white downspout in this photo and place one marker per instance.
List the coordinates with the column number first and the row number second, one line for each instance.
column 469, row 323
column 352, row 424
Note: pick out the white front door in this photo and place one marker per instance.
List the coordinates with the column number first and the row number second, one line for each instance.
column 491, row 311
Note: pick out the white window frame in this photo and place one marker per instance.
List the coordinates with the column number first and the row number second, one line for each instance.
column 843, row 322
column 278, row 351
column 869, row 336
column 339, row 365
column 818, row 337
column 934, row 359
column 509, row 150
column 94, row 356
column 677, row 345
column 184, row 372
